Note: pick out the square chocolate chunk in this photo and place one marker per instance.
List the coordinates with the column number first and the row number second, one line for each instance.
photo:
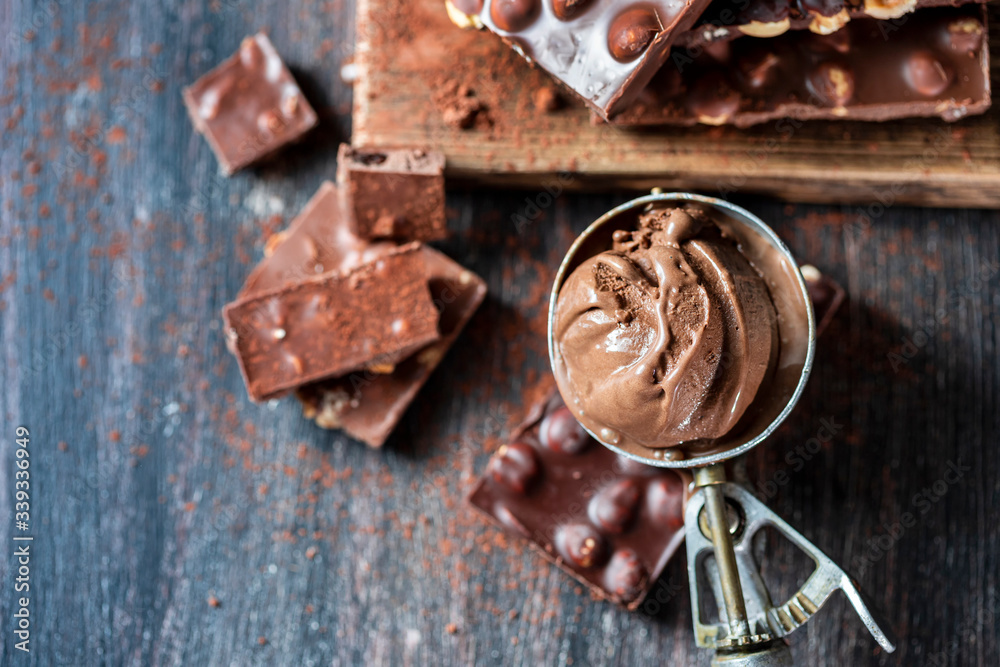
column 249, row 106
column 394, row 193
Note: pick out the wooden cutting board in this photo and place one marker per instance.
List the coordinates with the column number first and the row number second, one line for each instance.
column 411, row 60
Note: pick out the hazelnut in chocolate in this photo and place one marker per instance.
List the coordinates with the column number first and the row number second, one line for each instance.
column 725, row 20
column 933, row 63
column 365, row 404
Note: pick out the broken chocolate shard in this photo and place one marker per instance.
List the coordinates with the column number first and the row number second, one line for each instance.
column 369, row 406
column 365, row 404
column 605, row 51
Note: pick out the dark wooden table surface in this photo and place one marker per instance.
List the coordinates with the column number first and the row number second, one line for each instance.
column 177, row 523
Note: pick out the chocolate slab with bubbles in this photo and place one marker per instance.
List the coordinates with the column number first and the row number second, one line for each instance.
column 610, row 522
column 934, row 63
column 603, row 50
column 371, row 316
column 249, row 106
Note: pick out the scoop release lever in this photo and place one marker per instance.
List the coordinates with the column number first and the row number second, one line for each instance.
column 721, row 521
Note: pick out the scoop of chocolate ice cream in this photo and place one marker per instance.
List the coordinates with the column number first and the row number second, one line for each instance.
column 668, row 337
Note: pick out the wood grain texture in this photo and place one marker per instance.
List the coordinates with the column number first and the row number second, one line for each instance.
column 159, row 486
column 916, row 161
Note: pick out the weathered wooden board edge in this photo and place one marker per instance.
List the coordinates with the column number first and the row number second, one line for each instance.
column 975, row 185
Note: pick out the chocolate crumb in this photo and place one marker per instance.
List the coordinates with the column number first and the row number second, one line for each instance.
column 547, row 100
column 459, row 105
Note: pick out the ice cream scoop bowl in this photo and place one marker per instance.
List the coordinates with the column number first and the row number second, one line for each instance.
column 722, row 518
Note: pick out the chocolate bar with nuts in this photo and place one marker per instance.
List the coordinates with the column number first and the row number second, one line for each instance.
column 610, row 522
column 249, row 106
column 826, row 294
column 935, row 63
column 605, row 51
column 728, row 19
column 371, row 316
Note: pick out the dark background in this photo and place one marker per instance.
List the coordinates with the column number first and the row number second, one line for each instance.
column 159, row 489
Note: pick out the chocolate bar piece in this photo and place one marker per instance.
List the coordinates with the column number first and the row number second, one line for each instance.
column 366, row 405
column 826, row 294
column 394, row 193
column 371, row 316
column 319, row 240
column 727, row 19
column 936, row 63
column 249, row 106
column 606, row 51
column 610, row 522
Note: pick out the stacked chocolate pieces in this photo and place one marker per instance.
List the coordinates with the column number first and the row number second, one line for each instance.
column 345, row 309
column 746, row 62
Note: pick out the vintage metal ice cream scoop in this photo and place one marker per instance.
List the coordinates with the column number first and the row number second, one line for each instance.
column 635, row 329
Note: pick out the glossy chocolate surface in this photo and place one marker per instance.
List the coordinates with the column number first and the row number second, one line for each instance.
column 610, row 522
column 667, row 337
